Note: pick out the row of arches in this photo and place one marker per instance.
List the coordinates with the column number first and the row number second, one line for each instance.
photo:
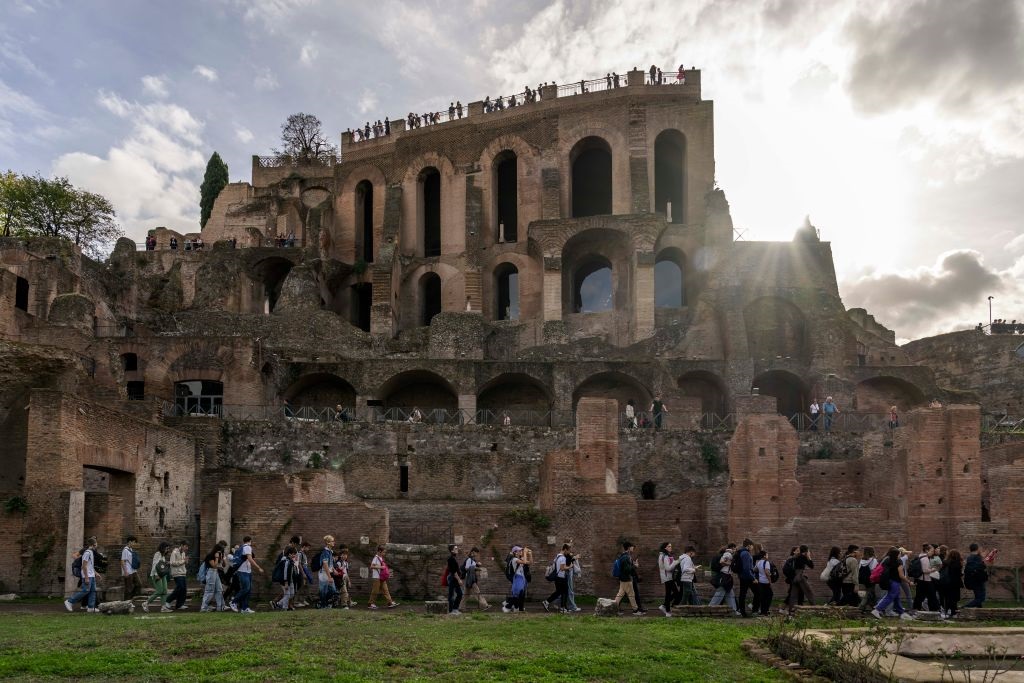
column 592, row 170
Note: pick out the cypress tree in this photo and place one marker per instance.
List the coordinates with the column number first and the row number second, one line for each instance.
column 214, row 180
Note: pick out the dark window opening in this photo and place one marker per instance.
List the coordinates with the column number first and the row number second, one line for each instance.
column 21, row 294
column 430, row 180
column 507, row 288
column 131, row 362
column 198, row 397
column 403, row 479
column 430, row 297
column 364, row 221
column 985, row 515
column 272, row 273
column 647, row 490
column 592, row 290
column 167, row 481
column 136, row 391
column 669, row 288
column 362, row 300
column 507, row 200
column 591, row 178
column 161, row 517
column 669, row 175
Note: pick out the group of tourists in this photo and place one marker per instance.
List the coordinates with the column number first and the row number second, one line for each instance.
column 655, row 416
column 190, row 244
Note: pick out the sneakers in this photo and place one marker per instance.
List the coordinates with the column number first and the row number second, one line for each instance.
column 906, row 617
column 234, row 607
column 353, row 603
column 248, row 611
column 663, row 610
column 393, row 604
column 486, row 607
column 455, row 612
column 183, row 607
column 578, row 609
column 876, row 614
column 145, row 607
column 504, row 609
column 637, row 613
column 371, row 606
column 545, row 603
column 93, row 610
column 68, row 606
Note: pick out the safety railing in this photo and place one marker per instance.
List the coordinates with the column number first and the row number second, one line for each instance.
column 1002, row 423
column 841, row 422
column 287, row 160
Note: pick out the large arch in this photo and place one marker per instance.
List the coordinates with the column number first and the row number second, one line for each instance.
column 791, row 393
column 429, row 297
column 198, row 397
column 775, row 329
column 271, row 273
column 346, row 241
column 527, row 187
column 616, row 385
column 428, row 210
column 514, row 393
column 596, row 272
column 418, row 389
column 506, row 291
column 364, row 221
column 670, row 278
column 708, row 387
column 320, row 390
column 591, row 176
column 505, row 196
column 670, row 175
column 878, row 394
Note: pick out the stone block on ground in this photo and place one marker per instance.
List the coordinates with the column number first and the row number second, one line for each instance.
column 922, row 615
column 606, row 607
column 702, row 611
column 436, row 607
column 117, row 607
column 8, row 597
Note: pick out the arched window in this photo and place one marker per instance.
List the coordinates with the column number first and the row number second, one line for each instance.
column 506, row 202
column 506, row 287
column 430, row 297
column 362, row 300
column 592, row 286
column 669, row 289
column 364, row 221
column 670, row 175
column 130, row 362
column 272, row 273
column 591, row 160
column 430, row 210
column 198, row 397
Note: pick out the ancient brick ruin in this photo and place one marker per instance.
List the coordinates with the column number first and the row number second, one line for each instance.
column 434, row 337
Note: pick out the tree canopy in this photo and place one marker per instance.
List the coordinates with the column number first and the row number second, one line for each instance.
column 303, row 138
column 34, row 205
column 214, row 180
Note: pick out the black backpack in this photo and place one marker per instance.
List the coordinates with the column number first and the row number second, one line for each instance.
column 773, row 571
column 864, row 575
column 278, row 575
column 789, row 569
column 975, row 573
column 914, row 569
column 76, row 566
column 839, row 572
column 510, row 573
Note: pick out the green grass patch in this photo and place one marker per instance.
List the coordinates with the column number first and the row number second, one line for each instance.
column 357, row 645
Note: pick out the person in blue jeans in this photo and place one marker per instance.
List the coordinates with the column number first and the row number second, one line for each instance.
column 894, row 577
column 455, row 591
column 975, row 576
column 831, row 410
column 244, row 573
column 88, row 589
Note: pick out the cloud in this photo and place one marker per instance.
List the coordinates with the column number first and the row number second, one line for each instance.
column 244, row 135
column 155, row 86
column 951, row 294
column 151, row 175
column 271, row 14
column 367, row 101
column 308, row 53
column 265, row 80
column 205, row 72
column 16, row 107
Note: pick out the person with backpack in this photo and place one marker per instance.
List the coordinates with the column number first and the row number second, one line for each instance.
column 179, row 574
column 667, row 564
column 684, row 575
column 789, row 572
column 574, row 572
column 765, row 573
column 557, row 573
column 801, row 589
column 976, row 575
column 470, row 570
column 622, row 569
column 246, row 562
column 867, row 565
column 851, row 567
column 130, row 563
column 832, row 576
column 748, row 582
column 303, row 592
column 519, row 565
column 159, row 571
column 87, row 572
column 213, row 590
column 950, row 582
column 380, row 573
column 919, row 570
column 327, row 593
column 453, row 580
column 724, row 580
column 342, row 580
column 287, row 574
column 892, row 579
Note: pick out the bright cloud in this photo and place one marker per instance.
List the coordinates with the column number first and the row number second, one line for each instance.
column 155, row 86
column 206, row 73
column 265, row 80
column 244, row 135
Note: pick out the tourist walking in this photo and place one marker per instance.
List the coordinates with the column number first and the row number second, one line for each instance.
column 975, row 576
column 800, row 589
column 815, row 411
column 288, row 575
column 748, row 582
column 920, row 571
column 950, row 582
column 832, row 576
column 213, row 590
column 244, row 574
column 519, row 565
column 159, row 572
column 87, row 592
column 894, row 577
column 851, row 572
column 659, row 409
column 342, row 580
column 179, row 574
column 560, row 568
column 380, row 573
column 470, row 570
column 867, row 565
column 624, row 571
column 453, row 579
column 130, row 563
column 763, row 593
column 684, row 575
column 831, row 410
column 667, row 565
column 327, row 592
column 575, row 571
column 723, row 580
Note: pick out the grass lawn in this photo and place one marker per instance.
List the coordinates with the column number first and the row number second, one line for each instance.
column 358, row 645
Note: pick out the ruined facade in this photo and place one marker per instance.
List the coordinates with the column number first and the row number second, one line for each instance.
column 435, row 336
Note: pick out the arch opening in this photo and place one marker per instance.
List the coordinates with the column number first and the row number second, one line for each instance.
column 506, row 199
column 364, row 221
column 615, row 385
column 419, row 389
column 506, row 288
column 130, row 362
column 271, row 273
column 321, row 390
column 790, row 392
column 591, row 160
column 361, row 303
column 199, row 397
column 430, row 297
column 593, row 288
column 878, row 394
column 430, row 210
column 669, row 279
column 708, row 387
column 670, row 175
column 513, row 392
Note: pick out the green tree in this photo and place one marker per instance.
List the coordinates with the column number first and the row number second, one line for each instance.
column 12, row 203
column 214, row 180
column 56, row 208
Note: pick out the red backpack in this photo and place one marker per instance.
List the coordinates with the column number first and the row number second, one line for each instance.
column 876, row 573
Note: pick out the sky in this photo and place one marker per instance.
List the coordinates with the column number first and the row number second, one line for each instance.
column 896, row 125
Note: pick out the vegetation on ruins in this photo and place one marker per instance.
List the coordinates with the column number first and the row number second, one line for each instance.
column 16, row 504
column 214, row 180
column 533, row 519
column 302, row 138
column 38, row 206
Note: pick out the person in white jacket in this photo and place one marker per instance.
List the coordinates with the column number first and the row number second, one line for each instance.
column 667, row 564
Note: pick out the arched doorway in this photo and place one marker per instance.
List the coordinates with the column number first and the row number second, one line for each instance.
column 506, row 198
column 430, row 297
column 878, row 394
column 430, row 210
column 364, row 221
column 521, row 397
column 616, row 385
column 591, row 161
column 593, row 286
column 506, row 288
column 670, row 175
column 708, row 387
column 198, row 397
column 669, row 279
column 321, row 390
column 271, row 273
column 791, row 393
column 419, row 389
column 361, row 303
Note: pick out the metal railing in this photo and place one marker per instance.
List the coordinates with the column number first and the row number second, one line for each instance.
column 286, row 160
column 840, row 422
column 1002, row 423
